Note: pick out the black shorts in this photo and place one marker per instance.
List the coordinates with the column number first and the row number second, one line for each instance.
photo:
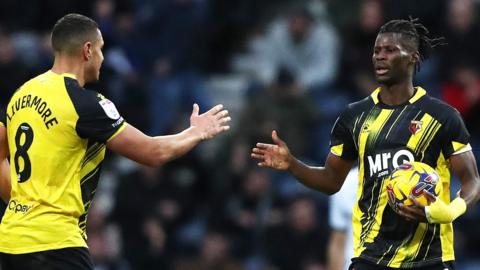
column 76, row 258
column 359, row 264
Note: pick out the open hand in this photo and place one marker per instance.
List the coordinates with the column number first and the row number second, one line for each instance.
column 210, row 123
column 275, row 156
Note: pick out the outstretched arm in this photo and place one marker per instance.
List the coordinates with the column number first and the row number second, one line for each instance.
column 154, row 151
column 5, row 184
column 328, row 179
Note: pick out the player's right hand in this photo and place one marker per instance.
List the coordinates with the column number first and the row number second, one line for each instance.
column 210, row 123
column 275, row 156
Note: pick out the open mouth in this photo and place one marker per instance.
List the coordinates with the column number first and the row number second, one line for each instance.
column 381, row 71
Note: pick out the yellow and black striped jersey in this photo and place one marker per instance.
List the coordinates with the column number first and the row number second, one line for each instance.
column 381, row 137
column 57, row 132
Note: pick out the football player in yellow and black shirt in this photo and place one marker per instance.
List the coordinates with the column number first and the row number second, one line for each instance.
column 396, row 123
column 57, row 134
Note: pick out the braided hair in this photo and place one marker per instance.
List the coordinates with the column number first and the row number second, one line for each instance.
column 415, row 36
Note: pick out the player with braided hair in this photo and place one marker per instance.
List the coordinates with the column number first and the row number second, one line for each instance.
column 414, row 35
column 397, row 123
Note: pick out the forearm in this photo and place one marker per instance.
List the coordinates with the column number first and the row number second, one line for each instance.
column 153, row 151
column 166, row 148
column 470, row 192
column 317, row 178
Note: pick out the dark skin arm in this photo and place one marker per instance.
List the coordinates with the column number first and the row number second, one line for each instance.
column 465, row 167
column 328, row 179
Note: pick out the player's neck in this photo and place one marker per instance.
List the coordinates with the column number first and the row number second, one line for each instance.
column 71, row 65
column 397, row 94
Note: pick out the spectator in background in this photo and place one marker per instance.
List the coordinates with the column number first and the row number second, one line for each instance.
column 307, row 47
column 12, row 69
column 244, row 212
column 214, row 255
column 301, row 242
column 156, row 255
column 304, row 44
column 152, row 210
column 340, row 246
column 289, row 111
column 357, row 56
column 176, row 52
column 430, row 11
column 124, row 59
column 104, row 242
column 461, row 35
column 103, row 13
column 462, row 91
column 300, row 40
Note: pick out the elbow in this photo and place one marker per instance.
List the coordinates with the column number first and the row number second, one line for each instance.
column 333, row 190
column 156, row 155
column 155, row 161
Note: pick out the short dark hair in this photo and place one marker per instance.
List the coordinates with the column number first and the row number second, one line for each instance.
column 72, row 31
column 415, row 36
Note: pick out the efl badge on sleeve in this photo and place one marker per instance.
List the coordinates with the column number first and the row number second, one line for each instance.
column 109, row 109
column 415, row 126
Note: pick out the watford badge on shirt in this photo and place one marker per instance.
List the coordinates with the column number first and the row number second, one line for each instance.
column 415, row 126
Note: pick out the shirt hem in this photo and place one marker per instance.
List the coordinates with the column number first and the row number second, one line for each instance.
column 40, row 248
column 425, row 262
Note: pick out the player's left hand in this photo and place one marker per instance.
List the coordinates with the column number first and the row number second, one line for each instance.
column 413, row 212
column 416, row 212
column 210, row 123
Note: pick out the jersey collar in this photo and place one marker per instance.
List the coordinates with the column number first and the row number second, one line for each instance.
column 70, row 75
column 418, row 94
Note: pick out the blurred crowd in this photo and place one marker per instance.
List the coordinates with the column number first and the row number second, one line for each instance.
column 287, row 65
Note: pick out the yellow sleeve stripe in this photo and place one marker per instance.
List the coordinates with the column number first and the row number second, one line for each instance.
column 2, row 124
column 459, row 148
column 337, row 150
column 124, row 125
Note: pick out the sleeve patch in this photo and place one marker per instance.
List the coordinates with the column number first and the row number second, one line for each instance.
column 109, row 108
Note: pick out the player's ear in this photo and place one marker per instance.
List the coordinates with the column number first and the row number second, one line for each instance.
column 415, row 57
column 87, row 50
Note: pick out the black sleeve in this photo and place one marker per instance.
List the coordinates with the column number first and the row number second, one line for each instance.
column 455, row 134
column 341, row 140
column 98, row 118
